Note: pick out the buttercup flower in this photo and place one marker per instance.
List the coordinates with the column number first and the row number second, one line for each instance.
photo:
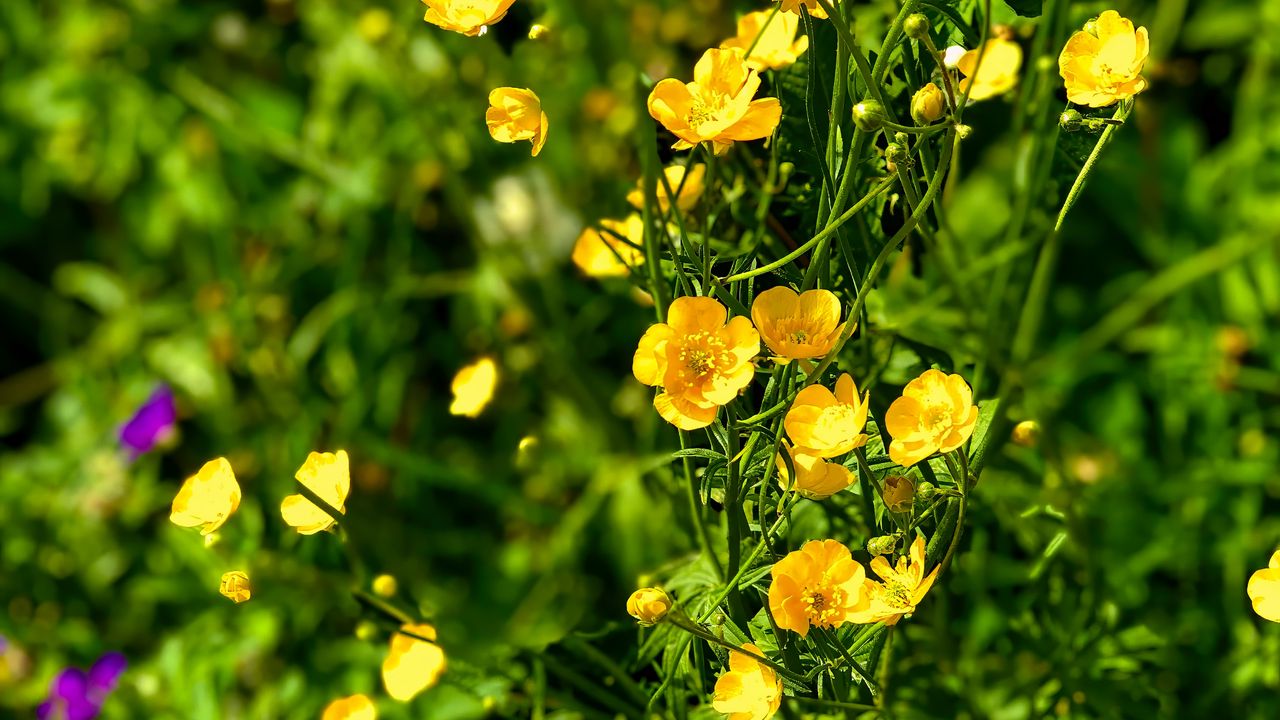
column 793, row 6
column 473, row 387
column 1264, row 590
column 151, row 425
column 207, row 498
column 998, row 73
column 700, row 361
column 717, row 107
column 928, row 105
column 469, row 17
column 328, row 475
column 774, row 37
column 78, row 695
column 816, row 478
column 903, row 588
column 412, row 665
column 1103, row 67
column 797, row 326
column 599, row 254
column 828, row 424
column 688, row 191
column 819, row 585
column 355, row 707
column 935, row 414
column 648, row 605
column 515, row 114
column 235, row 586
column 750, row 690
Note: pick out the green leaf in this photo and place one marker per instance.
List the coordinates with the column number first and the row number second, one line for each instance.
column 1026, row 8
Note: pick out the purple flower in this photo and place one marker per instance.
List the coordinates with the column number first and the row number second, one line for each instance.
column 153, row 422
column 77, row 695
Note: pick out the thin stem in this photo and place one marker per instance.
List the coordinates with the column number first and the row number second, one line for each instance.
column 692, row 629
column 695, row 508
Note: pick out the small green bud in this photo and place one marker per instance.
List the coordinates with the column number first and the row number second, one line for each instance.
column 883, row 545
column 916, row 26
column 964, row 131
column 896, row 156
column 902, row 138
column 927, row 491
column 869, row 116
column 1070, row 120
column 366, row 630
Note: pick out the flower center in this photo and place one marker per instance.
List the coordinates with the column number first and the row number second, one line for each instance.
column 798, row 337
column 824, row 605
column 897, row 595
column 701, row 353
column 936, row 419
column 836, row 424
column 470, row 14
column 701, row 111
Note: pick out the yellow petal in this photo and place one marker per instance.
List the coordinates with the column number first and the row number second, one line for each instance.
column 473, row 387
column 355, row 707
column 207, row 498
column 683, row 414
column 412, row 665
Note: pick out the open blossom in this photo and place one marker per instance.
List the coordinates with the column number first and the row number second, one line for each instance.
column 412, row 664
column 355, row 707
column 828, row 424
column 750, row 690
column 648, row 605
column 152, row 424
column 935, row 414
column 473, row 387
column 699, row 360
column 901, row 588
column 78, row 695
column 718, row 106
column 1264, row 590
column 328, row 475
column 688, row 190
column 816, row 478
column 207, row 498
column 793, row 6
column 1104, row 66
column 235, row 586
column 515, row 114
column 819, row 585
column 773, row 36
column 599, row 254
column 998, row 72
column 469, row 17
column 797, row 325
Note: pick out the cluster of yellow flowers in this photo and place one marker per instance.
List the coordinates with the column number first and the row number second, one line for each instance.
column 209, row 498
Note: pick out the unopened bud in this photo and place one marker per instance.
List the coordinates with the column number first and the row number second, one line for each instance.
column 928, row 105
column 1026, row 433
column 1070, row 120
column 916, row 26
column 897, row 156
column 869, row 116
column 538, row 31
column 366, row 630
column 883, row 545
column 964, row 131
column 385, row 586
column 926, row 491
column 899, row 493
column 648, row 605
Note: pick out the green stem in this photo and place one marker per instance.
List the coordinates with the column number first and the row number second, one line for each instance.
column 695, row 508
column 693, row 629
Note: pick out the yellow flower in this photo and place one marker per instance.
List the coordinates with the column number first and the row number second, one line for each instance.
column 356, row 707
column 1105, row 67
column 600, row 254
column 774, row 37
column 828, row 424
column 750, row 690
column 515, row 114
column 1264, row 590
column 688, row 191
column 717, row 107
column 235, row 586
column 903, row 587
column 928, row 105
column 899, row 493
column 819, row 585
column 329, row 477
column 207, row 498
column 648, row 605
column 412, row 665
column 473, row 387
column 797, row 326
column 700, row 361
column 469, row 17
column 816, row 478
column 935, row 414
column 793, row 6
column 998, row 73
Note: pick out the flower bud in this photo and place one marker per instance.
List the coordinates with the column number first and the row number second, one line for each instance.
column 927, row 105
column 869, row 116
column 964, row 131
column 648, row 605
column 1026, row 433
column 902, row 138
column 897, row 155
column 883, row 545
column 1070, row 120
column 899, row 493
column 385, row 586
column 916, row 26
column 366, row 630
column 235, row 586
column 927, row 491
column 538, row 31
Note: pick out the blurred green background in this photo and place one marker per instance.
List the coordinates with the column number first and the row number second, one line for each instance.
column 291, row 212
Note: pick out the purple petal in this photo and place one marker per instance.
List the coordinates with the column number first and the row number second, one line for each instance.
column 45, row 711
column 106, row 672
column 151, row 423
column 69, row 685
